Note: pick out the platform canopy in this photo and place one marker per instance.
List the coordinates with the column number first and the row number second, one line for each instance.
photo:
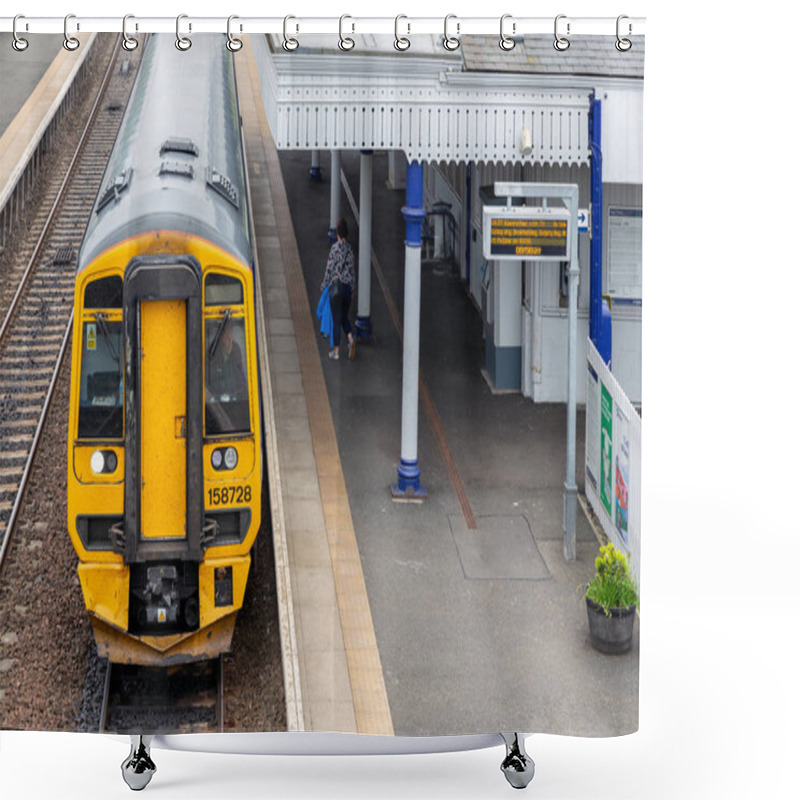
column 470, row 105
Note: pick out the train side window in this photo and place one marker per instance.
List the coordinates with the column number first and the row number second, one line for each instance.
column 103, row 293
column 223, row 290
column 100, row 412
column 227, row 395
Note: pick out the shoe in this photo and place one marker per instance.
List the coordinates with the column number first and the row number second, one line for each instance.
column 351, row 349
column 333, row 354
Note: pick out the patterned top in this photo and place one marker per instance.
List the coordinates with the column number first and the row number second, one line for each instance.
column 341, row 264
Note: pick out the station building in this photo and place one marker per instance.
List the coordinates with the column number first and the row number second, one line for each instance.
column 475, row 116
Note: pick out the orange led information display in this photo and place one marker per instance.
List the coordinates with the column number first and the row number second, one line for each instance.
column 528, row 238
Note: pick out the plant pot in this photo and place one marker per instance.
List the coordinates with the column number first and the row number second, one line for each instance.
column 610, row 634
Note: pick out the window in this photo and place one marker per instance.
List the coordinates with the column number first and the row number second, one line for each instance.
column 223, row 290
column 103, row 293
column 227, row 396
column 100, row 412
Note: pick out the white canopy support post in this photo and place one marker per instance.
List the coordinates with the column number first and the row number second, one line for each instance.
column 315, row 172
column 363, row 322
column 336, row 193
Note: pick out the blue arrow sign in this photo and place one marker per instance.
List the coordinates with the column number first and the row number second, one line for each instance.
column 583, row 220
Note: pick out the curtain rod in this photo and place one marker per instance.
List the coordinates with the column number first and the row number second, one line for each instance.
column 452, row 26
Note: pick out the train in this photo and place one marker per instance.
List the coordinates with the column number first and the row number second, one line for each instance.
column 165, row 453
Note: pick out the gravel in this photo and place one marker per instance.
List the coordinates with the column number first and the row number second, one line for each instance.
column 50, row 675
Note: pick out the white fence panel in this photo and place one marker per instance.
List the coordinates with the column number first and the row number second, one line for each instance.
column 613, row 459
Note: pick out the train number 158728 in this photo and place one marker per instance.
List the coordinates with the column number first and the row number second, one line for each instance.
column 229, row 495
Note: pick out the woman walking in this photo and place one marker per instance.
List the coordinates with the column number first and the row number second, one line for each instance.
column 340, row 274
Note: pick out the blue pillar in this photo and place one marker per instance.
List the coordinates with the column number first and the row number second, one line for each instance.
column 599, row 333
column 408, row 486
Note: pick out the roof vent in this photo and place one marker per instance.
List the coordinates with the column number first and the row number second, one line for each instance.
column 223, row 185
column 114, row 189
column 177, row 144
column 176, row 168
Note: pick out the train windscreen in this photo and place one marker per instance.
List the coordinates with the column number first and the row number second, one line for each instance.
column 227, row 396
column 100, row 415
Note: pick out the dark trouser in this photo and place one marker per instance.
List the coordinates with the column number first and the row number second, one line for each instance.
column 340, row 311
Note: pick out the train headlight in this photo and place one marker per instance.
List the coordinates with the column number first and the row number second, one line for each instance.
column 224, row 458
column 231, row 457
column 98, row 462
column 103, row 461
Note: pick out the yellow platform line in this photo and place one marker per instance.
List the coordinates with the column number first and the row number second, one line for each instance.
column 370, row 701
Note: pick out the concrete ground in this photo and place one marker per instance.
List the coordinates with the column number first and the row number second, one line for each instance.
column 479, row 629
column 21, row 71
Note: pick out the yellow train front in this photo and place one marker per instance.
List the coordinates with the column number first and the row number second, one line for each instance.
column 164, row 473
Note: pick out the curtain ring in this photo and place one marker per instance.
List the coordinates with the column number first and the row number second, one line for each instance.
column 128, row 42
column 345, row 43
column 401, row 43
column 506, row 42
column 451, row 42
column 233, row 44
column 18, row 43
column 623, row 45
column 290, row 44
column 561, row 43
column 183, row 43
column 70, row 42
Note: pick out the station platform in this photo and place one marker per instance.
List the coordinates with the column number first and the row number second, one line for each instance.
column 22, row 71
column 34, row 83
column 458, row 615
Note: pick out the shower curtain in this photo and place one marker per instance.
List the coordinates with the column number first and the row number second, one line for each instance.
column 433, row 497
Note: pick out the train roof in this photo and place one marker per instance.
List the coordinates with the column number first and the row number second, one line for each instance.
column 177, row 163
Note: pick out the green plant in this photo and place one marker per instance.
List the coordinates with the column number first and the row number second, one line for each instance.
column 613, row 585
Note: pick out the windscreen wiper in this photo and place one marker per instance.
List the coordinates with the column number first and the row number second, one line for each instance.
column 101, row 321
column 215, row 344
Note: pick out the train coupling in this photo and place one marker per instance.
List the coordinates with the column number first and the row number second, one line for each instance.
column 162, row 595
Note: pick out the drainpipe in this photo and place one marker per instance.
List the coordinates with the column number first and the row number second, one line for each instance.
column 600, row 338
column 467, row 223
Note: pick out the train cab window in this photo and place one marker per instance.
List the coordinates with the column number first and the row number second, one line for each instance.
column 227, row 396
column 100, row 412
column 103, row 293
column 223, row 290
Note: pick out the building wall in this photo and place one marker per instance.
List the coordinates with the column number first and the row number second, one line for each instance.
column 539, row 312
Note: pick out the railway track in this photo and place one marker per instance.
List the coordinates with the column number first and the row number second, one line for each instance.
column 181, row 699
column 37, row 321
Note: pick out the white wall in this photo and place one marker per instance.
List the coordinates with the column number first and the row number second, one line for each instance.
column 622, row 135
column 543, row 329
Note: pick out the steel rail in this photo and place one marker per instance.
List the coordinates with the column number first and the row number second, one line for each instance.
column 108, row 704
column 61, row 192
column 20, row 293
column 32, row 454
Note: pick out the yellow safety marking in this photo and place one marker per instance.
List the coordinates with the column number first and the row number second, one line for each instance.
column 363, row 658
